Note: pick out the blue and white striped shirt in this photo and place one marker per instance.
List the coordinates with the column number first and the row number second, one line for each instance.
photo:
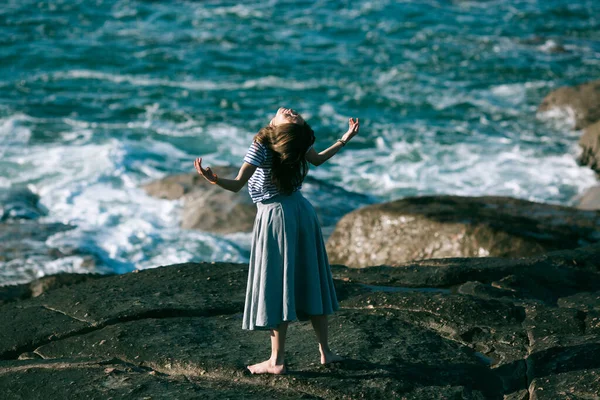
column 260, row 185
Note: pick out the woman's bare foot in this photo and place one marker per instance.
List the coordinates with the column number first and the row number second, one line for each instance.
column 328, row 357
column 267, row 367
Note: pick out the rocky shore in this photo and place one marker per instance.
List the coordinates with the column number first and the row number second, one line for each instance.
column 457, row 328
column 442, row 297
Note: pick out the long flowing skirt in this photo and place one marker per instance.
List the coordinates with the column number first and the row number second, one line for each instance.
column 289, row 276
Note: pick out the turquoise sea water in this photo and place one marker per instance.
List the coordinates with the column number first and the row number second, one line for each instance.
column 98, row 97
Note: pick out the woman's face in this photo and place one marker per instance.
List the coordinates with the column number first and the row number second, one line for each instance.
column 286, row 116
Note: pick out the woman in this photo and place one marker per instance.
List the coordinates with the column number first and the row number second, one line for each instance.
column 289, row 276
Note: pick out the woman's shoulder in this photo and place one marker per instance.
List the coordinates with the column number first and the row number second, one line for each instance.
column 263, row 147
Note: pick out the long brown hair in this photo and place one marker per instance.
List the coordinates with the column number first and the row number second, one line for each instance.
column 289, row 143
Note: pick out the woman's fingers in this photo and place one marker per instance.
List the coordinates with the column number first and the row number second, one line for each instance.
column 198, row 165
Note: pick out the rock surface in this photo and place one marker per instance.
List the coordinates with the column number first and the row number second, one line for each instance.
column 213, row 209
column 590, row 144
column 452, row 226
column 590, row 199
column 582, row 102
column 471, row 328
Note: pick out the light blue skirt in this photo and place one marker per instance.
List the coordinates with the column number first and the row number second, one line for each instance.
column 289, row 277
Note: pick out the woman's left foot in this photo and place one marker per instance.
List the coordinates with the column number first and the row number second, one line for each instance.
column 267, row 367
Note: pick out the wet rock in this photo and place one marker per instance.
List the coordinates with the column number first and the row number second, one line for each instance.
column 20, row 204
column 214, row 209
column 452, row 226
column 545, row 44
column 590, row 199
column 582, row 102
column 590, row 156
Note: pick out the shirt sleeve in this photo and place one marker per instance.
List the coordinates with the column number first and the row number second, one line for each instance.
column 255, row 154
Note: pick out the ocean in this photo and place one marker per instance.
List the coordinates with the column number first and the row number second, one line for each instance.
column 100, row 97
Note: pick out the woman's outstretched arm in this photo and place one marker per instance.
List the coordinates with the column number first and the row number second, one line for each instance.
column 317, row 159
column 234, row 185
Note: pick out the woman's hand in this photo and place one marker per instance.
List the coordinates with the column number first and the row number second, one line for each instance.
column 205, row 172
column 353, row 127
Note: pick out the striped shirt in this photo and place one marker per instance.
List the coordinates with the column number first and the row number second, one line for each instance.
column 260, row 185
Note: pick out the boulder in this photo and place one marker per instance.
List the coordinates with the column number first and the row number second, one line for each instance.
column 590, row 199
column 582, row 102
column 214, row 209
column 590, row 155
column 451, row 226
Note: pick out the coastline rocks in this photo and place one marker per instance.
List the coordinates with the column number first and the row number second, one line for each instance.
column 590, row 144
column 451, row 226
column 177, row 329
column 582, row 102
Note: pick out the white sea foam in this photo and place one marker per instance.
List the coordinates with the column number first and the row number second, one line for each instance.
column 88, row 186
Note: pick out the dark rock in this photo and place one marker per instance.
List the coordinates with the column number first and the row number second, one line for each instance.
column 592, row 322
column 546, row 44
column 41, row 285
column 104, row 378
column 407, row 357
column 579, row 384
column 583, row 101
column 542, row 322
column 590, row 199
column 585, row 301
column 590, row 156
column 556, row 354
column 486, row 291
column 543, row 278
column 468, row 338
column 451, row 226
column 488, row 326
column 20, row 204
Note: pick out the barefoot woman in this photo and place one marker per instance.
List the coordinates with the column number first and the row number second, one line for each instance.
column 289, row 277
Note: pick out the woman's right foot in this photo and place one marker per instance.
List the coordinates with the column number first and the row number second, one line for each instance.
column 330, row 357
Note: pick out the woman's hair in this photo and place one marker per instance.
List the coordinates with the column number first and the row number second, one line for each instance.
column 289, row 143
